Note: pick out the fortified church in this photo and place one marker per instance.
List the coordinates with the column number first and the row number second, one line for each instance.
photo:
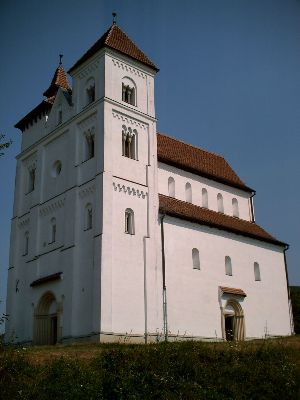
column 120, row 231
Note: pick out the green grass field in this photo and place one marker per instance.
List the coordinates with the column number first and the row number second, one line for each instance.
column 183, row 370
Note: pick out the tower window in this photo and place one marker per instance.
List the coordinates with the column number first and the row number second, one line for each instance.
column 188, row 192
column 53, row 231
column 129, row 143
column 31, row 179
column 196, row 259
column 171, row 187
column 90, row 91
column 220, row 203
column 235, row 208
column 129, row 221
column 88, row 217
column 228, row 266
column 256, row 272
column 26, row 243
column 128, row 94
column 89, row 145
column 59, row 115
column 204, row 198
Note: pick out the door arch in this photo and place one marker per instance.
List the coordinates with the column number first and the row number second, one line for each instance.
column 233, row 321
column 46, row 318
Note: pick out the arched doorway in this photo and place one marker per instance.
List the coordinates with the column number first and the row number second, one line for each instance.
column 46, row 320
column 234, row 323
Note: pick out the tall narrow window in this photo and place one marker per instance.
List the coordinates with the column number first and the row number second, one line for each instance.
column 59, row 115
column 188, row 192
column 204, row 198
column 90, row 91
column 196, row 259
column 128, row 94
column 129, row 221
column 53, row 231
column 129, row 143
column 90, row 145
column 26, row 243
column 31, row 179
column 171, row 187
column 228, row 266
column 88, row 217
column 235, row 208
column 256, row 272
column 220, row 203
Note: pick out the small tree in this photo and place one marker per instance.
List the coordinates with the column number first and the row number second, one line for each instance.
column 4, row 145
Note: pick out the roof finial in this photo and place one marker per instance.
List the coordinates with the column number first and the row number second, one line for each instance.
column 60, row 59
column 114, row 18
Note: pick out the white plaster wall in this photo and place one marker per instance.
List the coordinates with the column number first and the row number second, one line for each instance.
column 193, row 302
column 198, row 183
column 33, row 133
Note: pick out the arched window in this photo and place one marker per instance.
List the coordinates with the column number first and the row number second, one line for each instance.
column 59, row 115
column 90, row 91
column 53, row 230
column 188, row 192
column 235, row 208
column 129, row 91
column 204, row 198
column 26, row 243
column 129, row 221
column 88, row 217
column 89, row 144
column 220, row 203
column 129, row 142
column 228, row 266
column 196, row 259
column 256, row 272
column 171, row 187
column 31, row 179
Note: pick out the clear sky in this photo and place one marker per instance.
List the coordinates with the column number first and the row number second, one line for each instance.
column 229, row 82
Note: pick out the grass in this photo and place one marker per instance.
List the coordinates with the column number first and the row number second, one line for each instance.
column 183, row 370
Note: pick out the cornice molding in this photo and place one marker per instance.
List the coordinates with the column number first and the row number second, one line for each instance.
column 129, row 190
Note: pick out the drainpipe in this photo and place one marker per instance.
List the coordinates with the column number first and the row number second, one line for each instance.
column 252, row 206
column 165, row 315
column 288, row 290
column 145, row 289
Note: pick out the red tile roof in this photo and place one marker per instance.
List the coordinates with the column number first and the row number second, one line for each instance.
column 116, row 39
column 229, row 290
column 198, row 161
column 203, row 216
column 59, row 80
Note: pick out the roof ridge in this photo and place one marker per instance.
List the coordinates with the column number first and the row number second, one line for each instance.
column 191, row 145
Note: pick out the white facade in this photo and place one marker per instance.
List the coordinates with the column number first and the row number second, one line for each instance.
column 86, row 240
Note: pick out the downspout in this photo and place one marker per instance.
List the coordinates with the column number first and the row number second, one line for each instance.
column 145, row 288
column 252, row 206
column 288, row 290
column 165, row 315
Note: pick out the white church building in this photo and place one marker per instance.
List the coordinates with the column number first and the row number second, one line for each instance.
column 120, row 232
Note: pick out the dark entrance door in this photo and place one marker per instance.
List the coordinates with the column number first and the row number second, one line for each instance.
column 229, row 327
column 53, row 327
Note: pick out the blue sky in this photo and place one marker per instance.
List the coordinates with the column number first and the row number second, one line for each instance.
column 229, row 82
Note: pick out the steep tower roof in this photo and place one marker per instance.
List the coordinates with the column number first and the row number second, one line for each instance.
column 116, row 39
column 59, row 80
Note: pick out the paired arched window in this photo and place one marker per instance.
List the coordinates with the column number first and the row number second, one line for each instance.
column 235, row 208
column 26, row 243
column 228, row 266
column 256, row 272
column 129, row 221
column 89, row 144
column 204, row 198
column 188, row 192
column 88, row 217
column 129, row 91
column 52, row 230
column 129, row 142
column 196, row 258
column 171, row 186
column 90, row 90
column 220, row 203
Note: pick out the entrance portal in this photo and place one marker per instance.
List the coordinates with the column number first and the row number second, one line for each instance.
column 229, row 322
column 46, row 320
column 234, row 324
